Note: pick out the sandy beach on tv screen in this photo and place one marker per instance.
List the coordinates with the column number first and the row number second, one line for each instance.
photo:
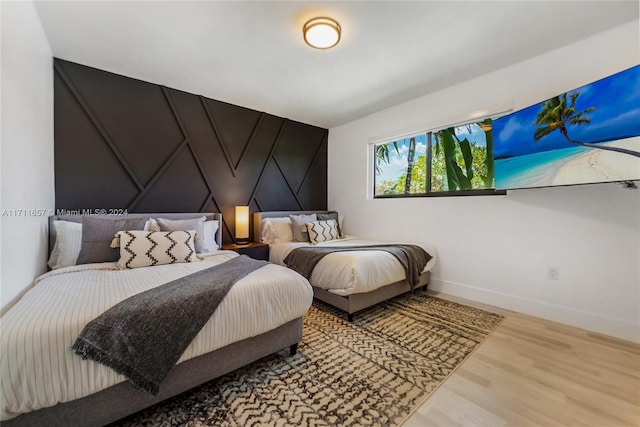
column 600, row 165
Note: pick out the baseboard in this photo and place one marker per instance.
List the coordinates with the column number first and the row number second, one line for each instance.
column 582, row 319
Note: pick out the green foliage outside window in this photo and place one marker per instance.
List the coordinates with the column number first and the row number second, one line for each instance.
column 461, row 158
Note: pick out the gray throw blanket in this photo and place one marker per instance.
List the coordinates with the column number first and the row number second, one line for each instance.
column 413, row 258
column 143, row 336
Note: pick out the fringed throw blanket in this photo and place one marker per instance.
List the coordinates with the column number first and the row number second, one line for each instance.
column 143, row 336
column 413, row 258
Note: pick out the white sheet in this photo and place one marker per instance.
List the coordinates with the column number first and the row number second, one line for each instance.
column 38, row 367
column 345, row 273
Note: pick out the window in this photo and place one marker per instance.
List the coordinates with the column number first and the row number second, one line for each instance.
column 453, row 161
column 401, row 166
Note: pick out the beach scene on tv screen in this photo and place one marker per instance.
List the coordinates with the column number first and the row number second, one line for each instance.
column 587, row 135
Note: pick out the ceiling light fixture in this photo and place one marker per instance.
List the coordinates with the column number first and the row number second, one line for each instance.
column 321, row 33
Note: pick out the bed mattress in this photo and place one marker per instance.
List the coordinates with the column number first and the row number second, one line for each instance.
column 346, row 273
column 38, row 367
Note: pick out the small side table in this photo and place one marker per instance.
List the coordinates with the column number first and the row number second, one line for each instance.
column 253, row 249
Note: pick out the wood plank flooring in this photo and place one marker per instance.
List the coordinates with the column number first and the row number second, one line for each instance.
column 533, row 372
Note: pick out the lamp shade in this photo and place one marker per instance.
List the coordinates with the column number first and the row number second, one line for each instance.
column 242, row 224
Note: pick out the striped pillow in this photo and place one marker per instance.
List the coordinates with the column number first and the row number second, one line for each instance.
column 139, row 248
column 322, row 231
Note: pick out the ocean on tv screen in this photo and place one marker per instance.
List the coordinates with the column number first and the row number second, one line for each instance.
column 586, row 135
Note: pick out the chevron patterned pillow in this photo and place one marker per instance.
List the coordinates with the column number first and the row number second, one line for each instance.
column 322, row 231
column 139, row 248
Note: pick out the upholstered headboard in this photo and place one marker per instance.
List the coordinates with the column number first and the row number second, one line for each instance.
column 78, row 218
column 259, row 216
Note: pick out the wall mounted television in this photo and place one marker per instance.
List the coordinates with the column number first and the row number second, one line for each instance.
column 583, row 136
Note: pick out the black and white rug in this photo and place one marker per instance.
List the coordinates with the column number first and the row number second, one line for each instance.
column 374, row 371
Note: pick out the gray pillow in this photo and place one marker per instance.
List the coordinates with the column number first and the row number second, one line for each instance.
column 97, row 234
column 328, row 216
column 298, row 223
column 196, row 224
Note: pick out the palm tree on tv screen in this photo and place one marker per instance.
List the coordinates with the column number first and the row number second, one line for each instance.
column 557, row 114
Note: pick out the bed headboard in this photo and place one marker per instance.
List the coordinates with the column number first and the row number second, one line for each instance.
column 78, row 218
column 259, row 216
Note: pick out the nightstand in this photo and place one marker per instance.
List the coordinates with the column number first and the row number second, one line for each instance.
column 254, row 249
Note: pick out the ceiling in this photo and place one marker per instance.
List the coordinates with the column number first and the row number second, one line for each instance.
column 252, row 53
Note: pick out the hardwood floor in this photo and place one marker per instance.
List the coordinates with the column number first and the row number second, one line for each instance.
column 532, row 372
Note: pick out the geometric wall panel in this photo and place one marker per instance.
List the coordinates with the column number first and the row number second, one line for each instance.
column 117, row 101
column 180, row 188
column 274, row 193
column 130, row 144
column 88, row 174
column 296, row 150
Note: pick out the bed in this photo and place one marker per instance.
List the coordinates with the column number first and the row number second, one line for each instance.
column 350, row 281
column 44, row 383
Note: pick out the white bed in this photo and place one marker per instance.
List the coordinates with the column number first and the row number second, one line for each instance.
column 40, row 370
column 352, row 280
column 346, row 273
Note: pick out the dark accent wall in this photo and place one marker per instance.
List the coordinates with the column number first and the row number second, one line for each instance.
column 129, row 144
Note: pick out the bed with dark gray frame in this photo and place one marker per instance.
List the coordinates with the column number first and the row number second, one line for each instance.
column 122, row 399
column 354, row 302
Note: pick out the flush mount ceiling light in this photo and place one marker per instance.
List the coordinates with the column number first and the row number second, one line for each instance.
column 321, row 33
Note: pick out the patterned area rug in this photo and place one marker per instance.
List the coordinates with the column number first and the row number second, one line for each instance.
column 374, row 371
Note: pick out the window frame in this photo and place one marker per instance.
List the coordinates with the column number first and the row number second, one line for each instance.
column 373, row 157
column 429, row 158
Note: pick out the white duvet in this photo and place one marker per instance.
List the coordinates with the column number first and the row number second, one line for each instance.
column 345, row 273
column 38, row 367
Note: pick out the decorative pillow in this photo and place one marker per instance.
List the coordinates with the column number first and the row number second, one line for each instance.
column 276, row 230
column 97, row 234
column 67, row 246
column 139, row 248
column 196, row 224
column 332, row 215
column 209, row 237
column 299, row 228
column 323, row 231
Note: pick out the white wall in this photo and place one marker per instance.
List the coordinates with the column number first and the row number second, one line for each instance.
column 497, row 249
column 26, row 147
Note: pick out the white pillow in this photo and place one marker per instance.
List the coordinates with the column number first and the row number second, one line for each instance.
column 322, row 231
column 139, row 248
column 67, row 246
column 276, row 230
column 267, row 234
column 209, row 239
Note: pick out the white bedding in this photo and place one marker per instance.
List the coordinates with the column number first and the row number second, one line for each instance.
column 345, row 273
column 38, row 367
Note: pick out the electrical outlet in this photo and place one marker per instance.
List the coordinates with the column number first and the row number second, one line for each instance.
column 553, row 273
